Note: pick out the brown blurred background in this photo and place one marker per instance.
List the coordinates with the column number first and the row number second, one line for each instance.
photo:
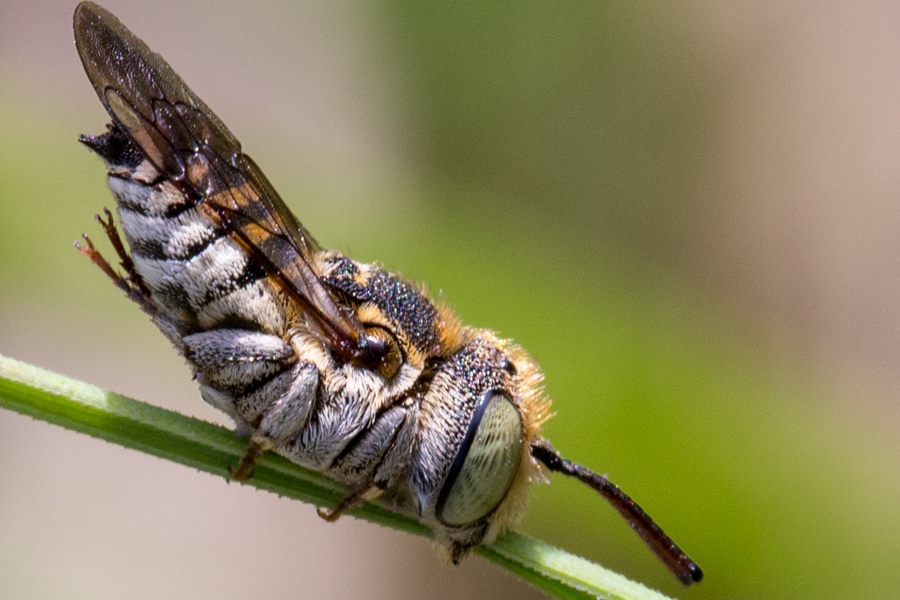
column 688, row 213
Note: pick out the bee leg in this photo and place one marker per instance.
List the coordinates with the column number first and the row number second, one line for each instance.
column 258, row 446
column 258, row 380
column 284, row 418
column 132, row 284
column 112, row 232
column 358, row 497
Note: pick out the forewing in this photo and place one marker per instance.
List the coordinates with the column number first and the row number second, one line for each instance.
column 188, row 143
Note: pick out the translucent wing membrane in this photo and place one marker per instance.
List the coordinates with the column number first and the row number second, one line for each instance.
column 188, row 144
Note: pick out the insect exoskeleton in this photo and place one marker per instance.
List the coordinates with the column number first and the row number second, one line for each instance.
column 339, row 366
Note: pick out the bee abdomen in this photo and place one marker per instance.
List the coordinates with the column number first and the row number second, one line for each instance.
column 191, row 266
column 115, row 147
column 202, row 282
column 197, row 275
column 180, row 238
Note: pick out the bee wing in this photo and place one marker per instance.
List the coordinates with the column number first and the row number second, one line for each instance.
column 188, row 144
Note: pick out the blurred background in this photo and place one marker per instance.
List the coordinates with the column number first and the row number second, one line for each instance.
column 688, row 213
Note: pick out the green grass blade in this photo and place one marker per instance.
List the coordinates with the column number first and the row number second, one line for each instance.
column 109, row 416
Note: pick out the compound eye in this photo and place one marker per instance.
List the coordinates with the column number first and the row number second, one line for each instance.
column 486, row 465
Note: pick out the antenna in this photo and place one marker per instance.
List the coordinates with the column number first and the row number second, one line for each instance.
column 679, row 563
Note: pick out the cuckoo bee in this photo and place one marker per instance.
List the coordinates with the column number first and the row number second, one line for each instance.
column 337, row 365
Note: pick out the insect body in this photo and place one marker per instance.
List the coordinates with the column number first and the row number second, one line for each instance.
column 339, row 366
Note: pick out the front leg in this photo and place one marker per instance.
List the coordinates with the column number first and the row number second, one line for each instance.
column 258, row 380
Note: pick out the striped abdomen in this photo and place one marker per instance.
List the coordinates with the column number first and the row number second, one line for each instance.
column 213, row 302
column 199, row 278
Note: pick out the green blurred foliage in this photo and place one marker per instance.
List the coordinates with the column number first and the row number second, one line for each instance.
column 581, row 114
column 553, row 150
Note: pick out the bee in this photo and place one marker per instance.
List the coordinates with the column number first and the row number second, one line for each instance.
column 339, row 366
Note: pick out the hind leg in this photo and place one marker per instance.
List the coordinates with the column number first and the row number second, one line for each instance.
column 131, row 283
